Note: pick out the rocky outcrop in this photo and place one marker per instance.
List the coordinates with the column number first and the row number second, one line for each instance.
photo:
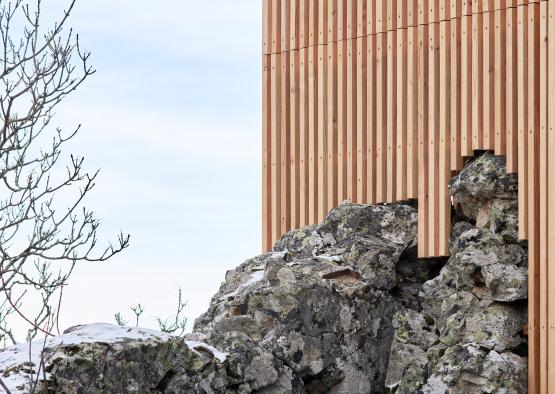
column 316, row 314
column 468, row 337
column 340, row 307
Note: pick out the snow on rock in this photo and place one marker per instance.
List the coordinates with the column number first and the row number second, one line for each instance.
column 21, row 364
column 194, row 345
column 256, row 276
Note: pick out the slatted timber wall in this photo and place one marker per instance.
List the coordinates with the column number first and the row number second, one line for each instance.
column 381, row 101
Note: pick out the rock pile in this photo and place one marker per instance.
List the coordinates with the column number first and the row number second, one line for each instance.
column 340, row 307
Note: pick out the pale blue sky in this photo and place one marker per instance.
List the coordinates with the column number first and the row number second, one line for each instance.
column 173, row 118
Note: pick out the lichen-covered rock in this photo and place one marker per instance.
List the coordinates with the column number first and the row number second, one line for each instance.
column 476, row 306
column 318, row 307
column 102, row 358
column 488, row 195
column 340, row 307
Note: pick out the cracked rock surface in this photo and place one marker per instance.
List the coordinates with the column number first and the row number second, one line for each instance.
column 344, row 306
column 475, row 309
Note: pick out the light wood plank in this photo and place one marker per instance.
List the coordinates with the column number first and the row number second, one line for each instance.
column 543, row 212
column 266, row 27
column 412, row 113
column 312, row 135
column 285, row 213
column 445, row 130
column 477, row 78
column 455, row 91
column 488, row 65
column 312, row 22
column 532, row 138
column 275, row 102
column 266, row 155
column 500, row 83
column 433, row 140
column 323, row 22
column 361, row 113
column 294, row 137
column 361, row 18
column 551, row 197
column 522, row 106
column 371, row 120
column 332, row 126
column 391, row 110
column 401, row 124
column 381, row 117
column 322, row 138
column 293, row 24
column 342, row 91
column 511, row 90
column 303, row 137
column 466, row 86
column 276, row 26
column 351, row 120
column 285, row 25
column 423, row 218
column 304, row 25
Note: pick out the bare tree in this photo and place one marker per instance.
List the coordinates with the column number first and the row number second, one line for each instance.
column 42, row 235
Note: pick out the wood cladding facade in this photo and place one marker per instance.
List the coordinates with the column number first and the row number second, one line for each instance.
column 381, row 101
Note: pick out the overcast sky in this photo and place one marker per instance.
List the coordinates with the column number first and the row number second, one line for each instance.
column 172, row 117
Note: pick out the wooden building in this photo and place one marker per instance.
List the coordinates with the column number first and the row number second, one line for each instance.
column 381, row 101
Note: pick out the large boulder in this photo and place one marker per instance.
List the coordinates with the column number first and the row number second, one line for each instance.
column 468, row 335
column 316, row 314
column 103, row 358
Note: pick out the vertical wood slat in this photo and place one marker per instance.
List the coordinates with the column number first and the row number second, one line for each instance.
column 342, row 100
column 488, row 117
column 522, row 108
column 285, row 33
column 332, row 124
column 391, row 111
column 445, row 130
column 499, row 83
column 423, row 218
column 275, row 141
column 455, row 91
column 361, row 114
column 381, row 117
column 543, row 190
column 532, row 138
column 322, row 133
column 466, row 86
column 477, row 77
column 303, row 137
column 285, row 205
column 276, row 26
column 294, row 153
column 511, row 90
column 433, row 139
column 412, row 113
column 266, row 156
column 266, row 29
column 401, row 104
column 312, row 134
column 371, row 116
column 550, row 275
column 351, row 120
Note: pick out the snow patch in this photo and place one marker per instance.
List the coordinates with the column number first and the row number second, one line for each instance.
column 329, row 258
column 256, row 276
column 20, row 364
column 194, row 345
column 278, row 255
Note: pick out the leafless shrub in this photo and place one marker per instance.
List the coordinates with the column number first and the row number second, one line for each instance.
column 42, row 236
